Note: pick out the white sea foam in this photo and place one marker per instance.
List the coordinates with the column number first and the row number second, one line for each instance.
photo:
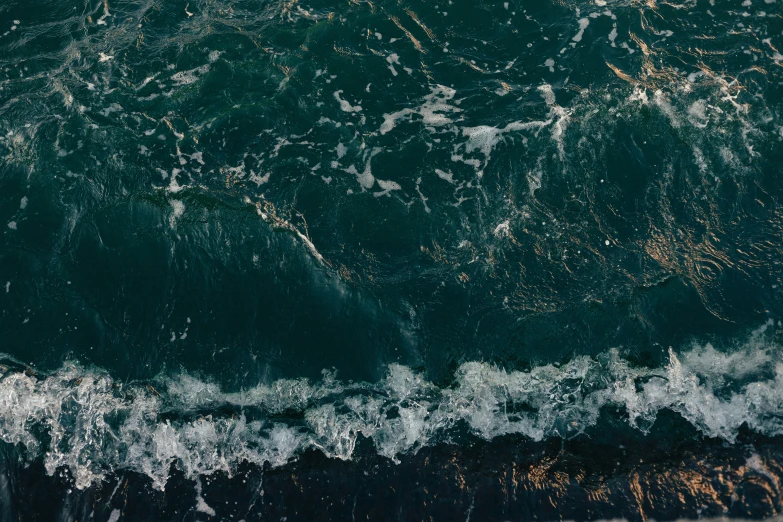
column 177, row 209
column 365, row 178
column 434, row 111
column 583, row 23
column 191, row 76
column 484, row 138
column 96, row 424
column 345, row 105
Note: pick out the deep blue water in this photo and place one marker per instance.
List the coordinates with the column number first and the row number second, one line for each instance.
column 392, row 260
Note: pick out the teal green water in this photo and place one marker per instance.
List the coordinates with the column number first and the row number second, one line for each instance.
column 309, row 221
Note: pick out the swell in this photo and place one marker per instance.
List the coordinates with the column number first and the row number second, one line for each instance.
column 85, row 420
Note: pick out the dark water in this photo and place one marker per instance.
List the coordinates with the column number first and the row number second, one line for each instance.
column 392, row 260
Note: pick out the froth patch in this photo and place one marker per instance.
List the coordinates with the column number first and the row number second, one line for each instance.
column 434, row 111
column 190, row 76
column 177, row 209
column 345, row 106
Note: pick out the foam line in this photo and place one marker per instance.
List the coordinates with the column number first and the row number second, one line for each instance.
column 83, row 419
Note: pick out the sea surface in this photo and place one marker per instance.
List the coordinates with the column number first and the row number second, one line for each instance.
column 391, row 260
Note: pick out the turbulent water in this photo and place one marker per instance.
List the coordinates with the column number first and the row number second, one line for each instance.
column 394, row 260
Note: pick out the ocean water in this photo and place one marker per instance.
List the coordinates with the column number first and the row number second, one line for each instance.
column 391, row 260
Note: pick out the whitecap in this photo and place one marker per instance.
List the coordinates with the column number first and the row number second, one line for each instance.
column 94, row 425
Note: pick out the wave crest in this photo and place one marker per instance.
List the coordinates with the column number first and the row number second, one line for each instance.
column 88, row 422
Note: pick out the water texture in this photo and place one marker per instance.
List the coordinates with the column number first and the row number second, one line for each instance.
column 390, row 260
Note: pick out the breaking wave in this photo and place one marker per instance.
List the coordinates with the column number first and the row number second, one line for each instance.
column 85, row 420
